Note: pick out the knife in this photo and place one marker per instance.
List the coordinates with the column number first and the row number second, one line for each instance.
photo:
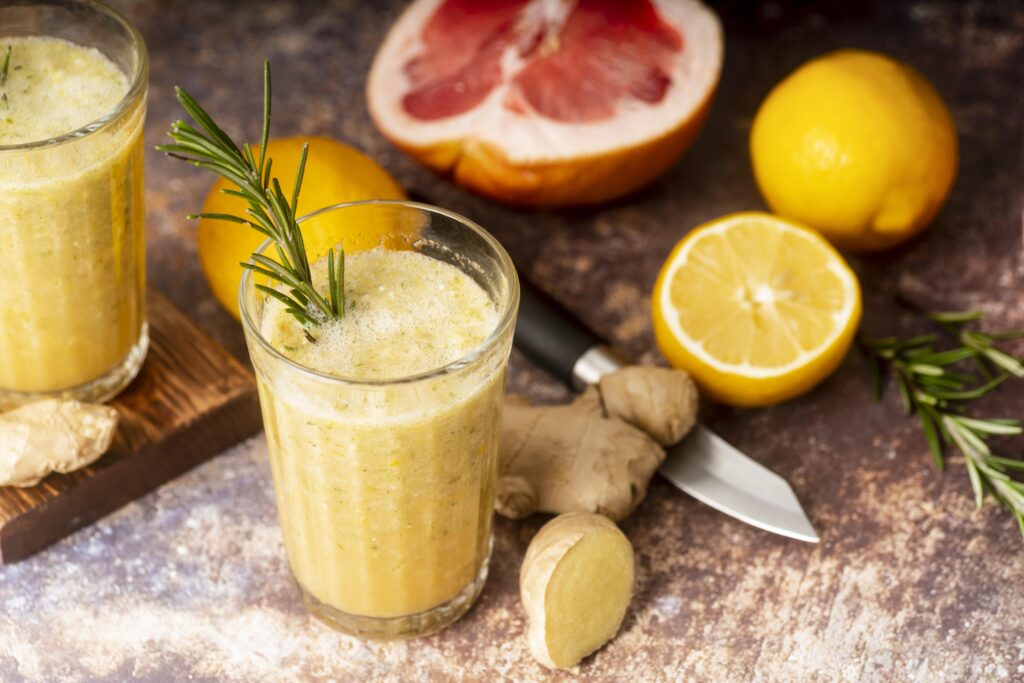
column 703, row 464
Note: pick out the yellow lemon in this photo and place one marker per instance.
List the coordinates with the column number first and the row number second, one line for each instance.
column 756, row 308
column 856, row 145
column 335, row 172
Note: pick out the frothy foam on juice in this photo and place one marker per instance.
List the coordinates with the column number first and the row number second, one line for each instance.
column 53, row 87
column 405, row 314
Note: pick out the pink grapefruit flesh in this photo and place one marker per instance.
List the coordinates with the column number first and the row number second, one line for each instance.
column 547, row 101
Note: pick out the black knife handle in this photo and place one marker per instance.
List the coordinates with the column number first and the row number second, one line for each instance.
column 549, row 335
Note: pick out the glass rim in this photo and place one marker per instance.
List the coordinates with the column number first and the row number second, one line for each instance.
column 135, row 90
column 506, row 320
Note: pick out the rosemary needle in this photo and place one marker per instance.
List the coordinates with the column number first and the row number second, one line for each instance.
column 937, row 386
column 270, row 212
column 3, row 78
column 6, row 67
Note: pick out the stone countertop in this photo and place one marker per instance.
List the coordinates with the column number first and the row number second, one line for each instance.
column 909, row 581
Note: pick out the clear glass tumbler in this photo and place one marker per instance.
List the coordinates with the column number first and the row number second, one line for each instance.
column 72, row 242
column 385, row 489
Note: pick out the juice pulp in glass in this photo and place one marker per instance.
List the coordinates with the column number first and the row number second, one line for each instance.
column 385, row 489
column 71, row 220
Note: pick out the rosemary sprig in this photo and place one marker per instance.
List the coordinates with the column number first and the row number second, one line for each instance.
column 6, row 66
column 937, row 386
column 269, row 212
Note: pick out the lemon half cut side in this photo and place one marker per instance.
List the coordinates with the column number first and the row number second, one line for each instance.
column 757, row 309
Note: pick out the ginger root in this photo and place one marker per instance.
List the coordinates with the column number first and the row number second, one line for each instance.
column 52, row 436
column 598, row 453
column 576, row 583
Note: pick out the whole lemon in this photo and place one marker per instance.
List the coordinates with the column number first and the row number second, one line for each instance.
column 335, row 172
column 857, row 145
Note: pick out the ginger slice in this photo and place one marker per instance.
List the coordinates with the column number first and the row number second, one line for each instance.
column 576, row 583
column 52, row 436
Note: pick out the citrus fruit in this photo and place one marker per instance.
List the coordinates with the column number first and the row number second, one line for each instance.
column 856, row 145
column 547, row 103
column 756, row 308
column 335, row 172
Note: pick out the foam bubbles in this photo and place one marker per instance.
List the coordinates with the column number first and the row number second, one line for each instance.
column 406, row 313
column 54, row 87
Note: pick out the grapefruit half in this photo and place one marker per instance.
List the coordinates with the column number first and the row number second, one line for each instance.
column 547, row 102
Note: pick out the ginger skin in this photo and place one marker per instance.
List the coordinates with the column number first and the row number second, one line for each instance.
column 598, row 453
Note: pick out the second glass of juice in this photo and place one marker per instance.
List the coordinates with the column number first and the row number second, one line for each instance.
column 72, row 223
column 383, row 427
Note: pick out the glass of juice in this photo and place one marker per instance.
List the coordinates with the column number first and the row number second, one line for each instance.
column 383, row 426
column 73, row 80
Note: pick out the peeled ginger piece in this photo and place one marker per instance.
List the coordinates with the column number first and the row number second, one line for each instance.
column 575, row 583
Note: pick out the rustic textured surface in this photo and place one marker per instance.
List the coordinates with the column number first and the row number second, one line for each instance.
column 909, row 582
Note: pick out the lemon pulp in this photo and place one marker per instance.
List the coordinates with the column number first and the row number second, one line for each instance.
column 757, row 309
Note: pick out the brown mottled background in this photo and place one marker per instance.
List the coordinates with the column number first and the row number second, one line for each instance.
column 909, row 582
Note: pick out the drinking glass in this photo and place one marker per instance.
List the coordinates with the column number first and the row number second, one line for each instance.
column 385, row 488
column 72, row 242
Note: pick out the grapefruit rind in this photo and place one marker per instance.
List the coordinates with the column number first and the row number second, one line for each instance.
column 530, row 159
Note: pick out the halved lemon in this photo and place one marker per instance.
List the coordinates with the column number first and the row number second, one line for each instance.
column 757, row 309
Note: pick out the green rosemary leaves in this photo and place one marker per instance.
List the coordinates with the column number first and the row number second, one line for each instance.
column 270, row 212
column 937, row 386
column 6, row 67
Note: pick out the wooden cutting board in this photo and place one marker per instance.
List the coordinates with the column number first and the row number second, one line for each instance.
column 191, row 401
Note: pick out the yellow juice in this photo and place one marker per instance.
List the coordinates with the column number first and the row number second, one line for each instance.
column 384, row 461
column 72, row 248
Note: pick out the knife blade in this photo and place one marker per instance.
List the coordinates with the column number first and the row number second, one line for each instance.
column 702, row 465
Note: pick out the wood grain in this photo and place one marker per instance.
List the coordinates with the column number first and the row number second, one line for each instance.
column 191, row 400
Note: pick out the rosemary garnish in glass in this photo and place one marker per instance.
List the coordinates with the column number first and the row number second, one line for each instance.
column 4, row 69
column 937, row 386
column 269, row 212
column 6, row 66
